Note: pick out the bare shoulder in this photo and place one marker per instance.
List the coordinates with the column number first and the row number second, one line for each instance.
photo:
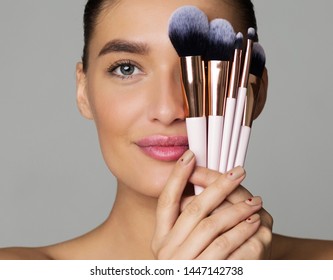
column 70, row 249
column 88, row 246
column 23, row 254
column 286, row 247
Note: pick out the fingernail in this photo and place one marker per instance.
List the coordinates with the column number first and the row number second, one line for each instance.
column 254, row 201
column 236, row 173
column 186, row 157
column 254, row 218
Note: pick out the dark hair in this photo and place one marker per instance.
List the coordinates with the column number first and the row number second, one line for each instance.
column 92, row 11
column 94, row 8
column 246, row 14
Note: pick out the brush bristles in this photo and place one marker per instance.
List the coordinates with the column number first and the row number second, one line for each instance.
column 221, row 41
column 188, row 31
column 258, row 60
column 239, row 41
column 251, row 34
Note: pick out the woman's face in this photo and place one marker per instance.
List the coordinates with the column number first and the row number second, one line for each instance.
column 132, row 87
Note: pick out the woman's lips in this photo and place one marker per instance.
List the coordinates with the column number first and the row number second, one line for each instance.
column 164, row 148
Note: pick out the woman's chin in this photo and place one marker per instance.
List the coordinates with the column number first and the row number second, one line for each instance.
column 148, row 178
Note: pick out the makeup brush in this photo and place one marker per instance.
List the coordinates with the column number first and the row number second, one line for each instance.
column 188, row 31
column 230, row 105
column 258, row 62
column 218, row 56
column 241, row 96
column 256, row 71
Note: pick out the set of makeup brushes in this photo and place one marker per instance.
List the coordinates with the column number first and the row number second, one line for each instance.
column 221, row 80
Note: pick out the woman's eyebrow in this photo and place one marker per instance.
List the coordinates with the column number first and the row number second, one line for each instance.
column 124, row 46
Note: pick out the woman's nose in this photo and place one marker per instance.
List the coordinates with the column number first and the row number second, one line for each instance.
column 167, row 102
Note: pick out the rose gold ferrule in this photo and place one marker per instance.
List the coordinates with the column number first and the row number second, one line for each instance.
column 193, row 81
column 247, row 63
column 235, row 74
column 252, row 94
column 205, row 98
column 218, row 77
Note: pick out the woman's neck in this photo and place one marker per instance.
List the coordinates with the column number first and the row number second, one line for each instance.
column 131, row 224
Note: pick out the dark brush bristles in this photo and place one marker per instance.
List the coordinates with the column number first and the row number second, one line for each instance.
column 258, row 60
column 252, row 34
column 188, row 31
column 239, row 41
column 221, row 41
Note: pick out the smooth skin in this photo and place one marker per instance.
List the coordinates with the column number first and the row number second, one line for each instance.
column 132, row 94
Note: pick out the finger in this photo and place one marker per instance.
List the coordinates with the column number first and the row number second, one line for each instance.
column 202, row 205
column 213, row 226
column 204, row 177
column 187, row 200
column 239, row 194
column 207, row 177
column 267, row 219
column 259, row 245
column 254, row 248
column 225, row 204
column 222, row 246
column 169, row 200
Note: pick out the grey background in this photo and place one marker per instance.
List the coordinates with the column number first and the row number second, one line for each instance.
column 54, row 184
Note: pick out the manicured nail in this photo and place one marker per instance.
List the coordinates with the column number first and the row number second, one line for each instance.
column 254, row 201
column 186, row 157
column 254, row 218
column 236, row 173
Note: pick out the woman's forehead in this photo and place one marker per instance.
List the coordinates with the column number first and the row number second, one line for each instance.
column 147, row 21
column 143, row 17
column 157, row 12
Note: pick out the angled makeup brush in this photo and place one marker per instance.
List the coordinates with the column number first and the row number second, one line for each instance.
column 188, row 31
column 256, row 71
column 241, row 96
column 218, row 56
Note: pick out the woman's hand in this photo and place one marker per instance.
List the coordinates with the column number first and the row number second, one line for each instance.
column 257, row 246
column 205, row 228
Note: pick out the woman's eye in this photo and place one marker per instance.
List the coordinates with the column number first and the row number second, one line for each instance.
column 124, row 70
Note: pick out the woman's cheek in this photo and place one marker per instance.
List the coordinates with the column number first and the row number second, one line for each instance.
column 121, row 116
column 116, row 108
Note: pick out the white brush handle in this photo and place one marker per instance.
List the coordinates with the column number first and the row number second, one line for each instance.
column 241, row 96
column 215, row 127
column 243, row 144
column 197, row 140
column 226, row 135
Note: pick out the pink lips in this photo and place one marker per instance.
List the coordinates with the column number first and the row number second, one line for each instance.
column 164, row 148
